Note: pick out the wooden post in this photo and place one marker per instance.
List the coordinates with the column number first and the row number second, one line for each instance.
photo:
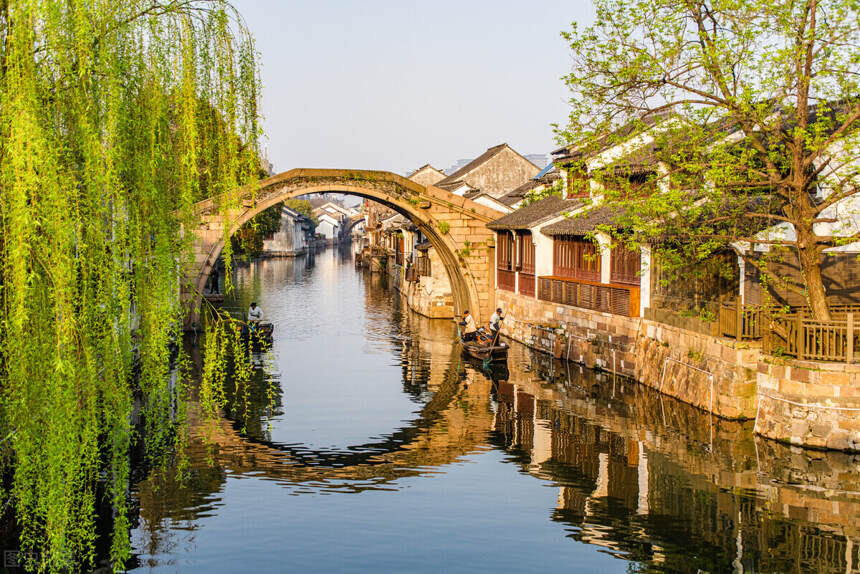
column 849, row 331
column 739, row 314
column 799, row 335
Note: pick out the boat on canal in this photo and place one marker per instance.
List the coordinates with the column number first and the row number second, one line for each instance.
column 258, row 338
column 261, row 336
column 484, row 346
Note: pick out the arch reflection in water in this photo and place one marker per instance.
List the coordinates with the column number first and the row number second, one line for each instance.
column 636, row 475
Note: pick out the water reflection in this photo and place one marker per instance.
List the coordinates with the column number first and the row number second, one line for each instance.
column 634, row 475
column 655, row 481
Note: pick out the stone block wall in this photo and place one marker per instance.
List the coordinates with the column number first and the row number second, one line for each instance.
column 801, row 403
column 431, row 295
column 714, row 374
column 429, row 303
column 809, row 403
column 428, row 297
column 596, row 340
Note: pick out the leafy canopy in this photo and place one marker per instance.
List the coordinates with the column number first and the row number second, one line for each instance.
column 115, row 117
column 736, row 116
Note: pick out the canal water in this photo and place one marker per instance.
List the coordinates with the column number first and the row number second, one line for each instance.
column 366, row 443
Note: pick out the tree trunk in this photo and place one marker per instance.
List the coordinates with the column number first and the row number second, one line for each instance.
column 816, row 292
column 809, row 257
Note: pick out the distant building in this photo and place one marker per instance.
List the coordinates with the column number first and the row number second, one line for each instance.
column 293, row 237
column 459, row 163
column 496, row 172
column 427, row 175
column 329, row 226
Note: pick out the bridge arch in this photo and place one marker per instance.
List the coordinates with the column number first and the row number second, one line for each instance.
column 352, row 223
column 455, row 226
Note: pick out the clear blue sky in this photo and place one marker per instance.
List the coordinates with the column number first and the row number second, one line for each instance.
column 395, row 84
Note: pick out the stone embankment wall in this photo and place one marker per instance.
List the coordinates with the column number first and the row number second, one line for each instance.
column 596, row 340
column 714, row 374
column 428, row 296
column 803, row 403
column 431, row 295
column 717, row 375
column 809, row 403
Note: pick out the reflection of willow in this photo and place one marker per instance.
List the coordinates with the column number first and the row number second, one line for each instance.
column 655, row 480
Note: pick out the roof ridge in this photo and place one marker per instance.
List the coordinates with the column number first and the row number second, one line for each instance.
column 487, row 155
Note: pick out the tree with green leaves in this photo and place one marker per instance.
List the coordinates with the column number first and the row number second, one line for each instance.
column 248, row 239
column 304, row 207
column 115, row 117
column 744, row 115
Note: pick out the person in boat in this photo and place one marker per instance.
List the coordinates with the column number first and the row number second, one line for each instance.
column 496, row 323
column 255, row 316
column 470, row 330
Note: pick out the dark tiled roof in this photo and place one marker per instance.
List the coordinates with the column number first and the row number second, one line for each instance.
column 516, row 195
column 510, row 199
column 535, row 213
column 583, row 222
column 478, row 194
column 451, row 185
column 423, row 246
column 589, row 148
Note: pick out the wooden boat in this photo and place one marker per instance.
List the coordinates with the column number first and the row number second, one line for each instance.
column 483, row 347
column 259, row 337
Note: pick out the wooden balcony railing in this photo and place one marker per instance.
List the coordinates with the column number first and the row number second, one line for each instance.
column 527, row 284
column 741, row 321
column 751, row 321
column 809, row 339
column 507, row 280
column 603, row 297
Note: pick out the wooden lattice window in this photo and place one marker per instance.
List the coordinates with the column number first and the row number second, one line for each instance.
column 576, row 257
column 526, row 252
column 626, row 264
column 505, row 252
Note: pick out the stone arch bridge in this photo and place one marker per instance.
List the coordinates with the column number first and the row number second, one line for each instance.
column 455, row 227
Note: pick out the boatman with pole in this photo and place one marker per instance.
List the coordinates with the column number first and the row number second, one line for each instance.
column 496, row 324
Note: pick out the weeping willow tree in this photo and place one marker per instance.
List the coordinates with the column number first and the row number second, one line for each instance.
column 115, row 117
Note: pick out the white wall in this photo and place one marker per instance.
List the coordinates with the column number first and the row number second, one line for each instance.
column 327, row 229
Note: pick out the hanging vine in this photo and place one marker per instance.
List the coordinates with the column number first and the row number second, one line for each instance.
column 115, row 117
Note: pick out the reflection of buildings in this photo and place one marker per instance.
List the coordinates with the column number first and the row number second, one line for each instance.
column 657, row 481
